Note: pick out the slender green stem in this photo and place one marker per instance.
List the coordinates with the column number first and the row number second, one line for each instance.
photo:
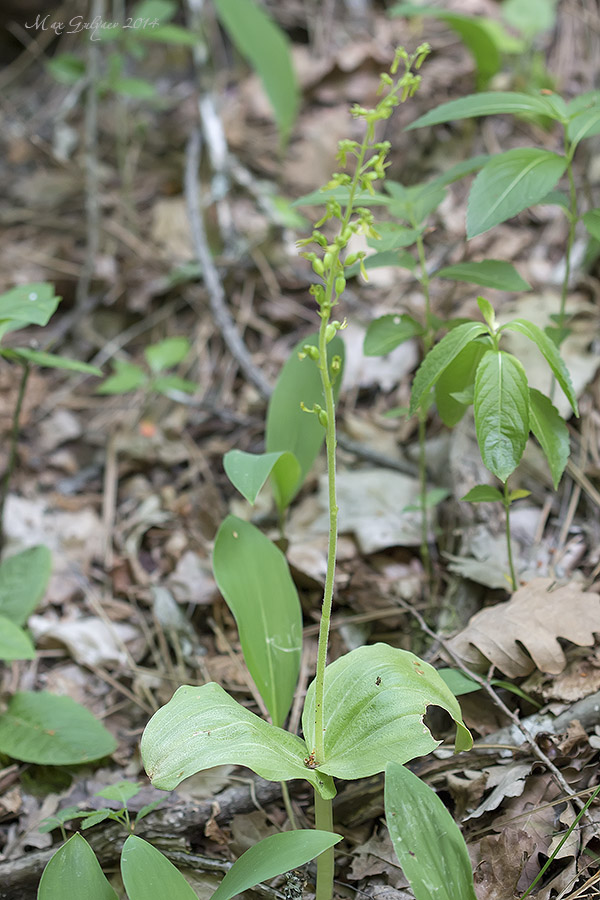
column 325, row 862
column 572, row 216
column 287, row 802
column 513, row 577
column 428, row 339
column 12, row 453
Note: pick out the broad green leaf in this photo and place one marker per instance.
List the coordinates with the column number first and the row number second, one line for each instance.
column 458, row 682
column 458, row 377
column 587, row 100
column 393, row 237
column 249, row 471
column 202, row 727
column 30, row 304
column 493, row 273
column 73, row 872
column 121, row 792
column 488, row 103
column 168, row 384
column 549, row 351
column 266, row 47
column 584, row 125
column 501, row 407
column 531, row 18
column 23, row 580
column 50, row 730
column 551, row 431
column 148, row 874
column 509, row 183
column 415, row 203
column 375, row 700
column 274, row 855
column 591, row 220
column 439, row 358
column 167, row 353
column 288, row 426
column 428, row 843
column 388, row 332
column 14, row 642
column 254, row 578
column 50, row 360
column 483, row 493
column 127, row 377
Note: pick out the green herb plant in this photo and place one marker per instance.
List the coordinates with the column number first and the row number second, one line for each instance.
column 363, row 713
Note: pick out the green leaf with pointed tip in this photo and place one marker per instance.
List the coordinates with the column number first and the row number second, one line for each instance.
column 493, row 273
column 121, row 792
column 254, row 578
column 74, row 871
column 50, row 360
column 439, row 358
column 166, row 354
column 267, row 49
column 591, row 220
column 549, row 351
column 402, row 259
column 509, row 183
column 50, row 730
column 23, row 580
column 393, row 236
column 274, row 855
column 458, row 171
column 288, row 426
column 14, row 642
column 584, row 125
column 148, row 874
column 202, row 727
column 249, row 471
column 457, row 379
column 375, row 700
column 518, row 494
column 428, row 843
column 488, row 103
column 388, row 332
column 29, row 304
column 483, row 493
column 501, row 407
column 551, row 431
column 127, row 377
column 458, row 682
column 487, row 311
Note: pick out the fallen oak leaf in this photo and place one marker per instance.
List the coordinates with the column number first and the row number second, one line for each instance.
column 532, row 620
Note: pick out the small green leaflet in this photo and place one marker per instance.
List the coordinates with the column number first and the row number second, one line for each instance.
column 249, row 471
column 388, row 332
column 167, row 353
column 439, row 358
column 501, row 407
column 483, row 493
column 591, row 220
column 267, row 49
column 509, row 183
column 493, row 273
column 127, row 377
column 14, row 642
column 488, row 103
column 29, row 304
column 23, row 580
column 550, row 429
column 274, row 855
column 427, row 840
column 74, row 871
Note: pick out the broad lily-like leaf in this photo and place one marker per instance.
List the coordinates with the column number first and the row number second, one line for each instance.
column 147, row 873
column 249, row 471
column 74, row 871
column 202, row 727
column 374, row 703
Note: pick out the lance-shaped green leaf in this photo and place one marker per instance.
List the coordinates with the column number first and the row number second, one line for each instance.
column 288, row 426
column 249, row 471
column 439, row 358
column 584, row 125
column 202, row 727
column 388, row 332
column 14, row 642
column 509, row 183
column 167, row 353
column 483, row 493
column 551, row 431
column 274, row 855
column 488, row 103
column 23, row 580
column 147, row 873
column 458, row 377
column 74, row 871
column 550, row 352
column 267, row 49
column 427, row 840
column 374, row 703
column 254, row 578
column 493, row 273
column 501, row 407
column 50, row 360
column 51, row 730
column 29, row 304
column 591, row 220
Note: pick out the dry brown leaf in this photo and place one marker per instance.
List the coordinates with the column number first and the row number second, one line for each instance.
column 535, row 617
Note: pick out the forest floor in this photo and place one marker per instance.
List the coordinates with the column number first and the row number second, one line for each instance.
column 128, row 491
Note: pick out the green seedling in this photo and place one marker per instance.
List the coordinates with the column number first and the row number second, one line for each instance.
column 203, row 726
column 155, row 378
column 121, row 792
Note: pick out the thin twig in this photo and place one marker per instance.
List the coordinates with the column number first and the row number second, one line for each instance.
column 528, row 735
